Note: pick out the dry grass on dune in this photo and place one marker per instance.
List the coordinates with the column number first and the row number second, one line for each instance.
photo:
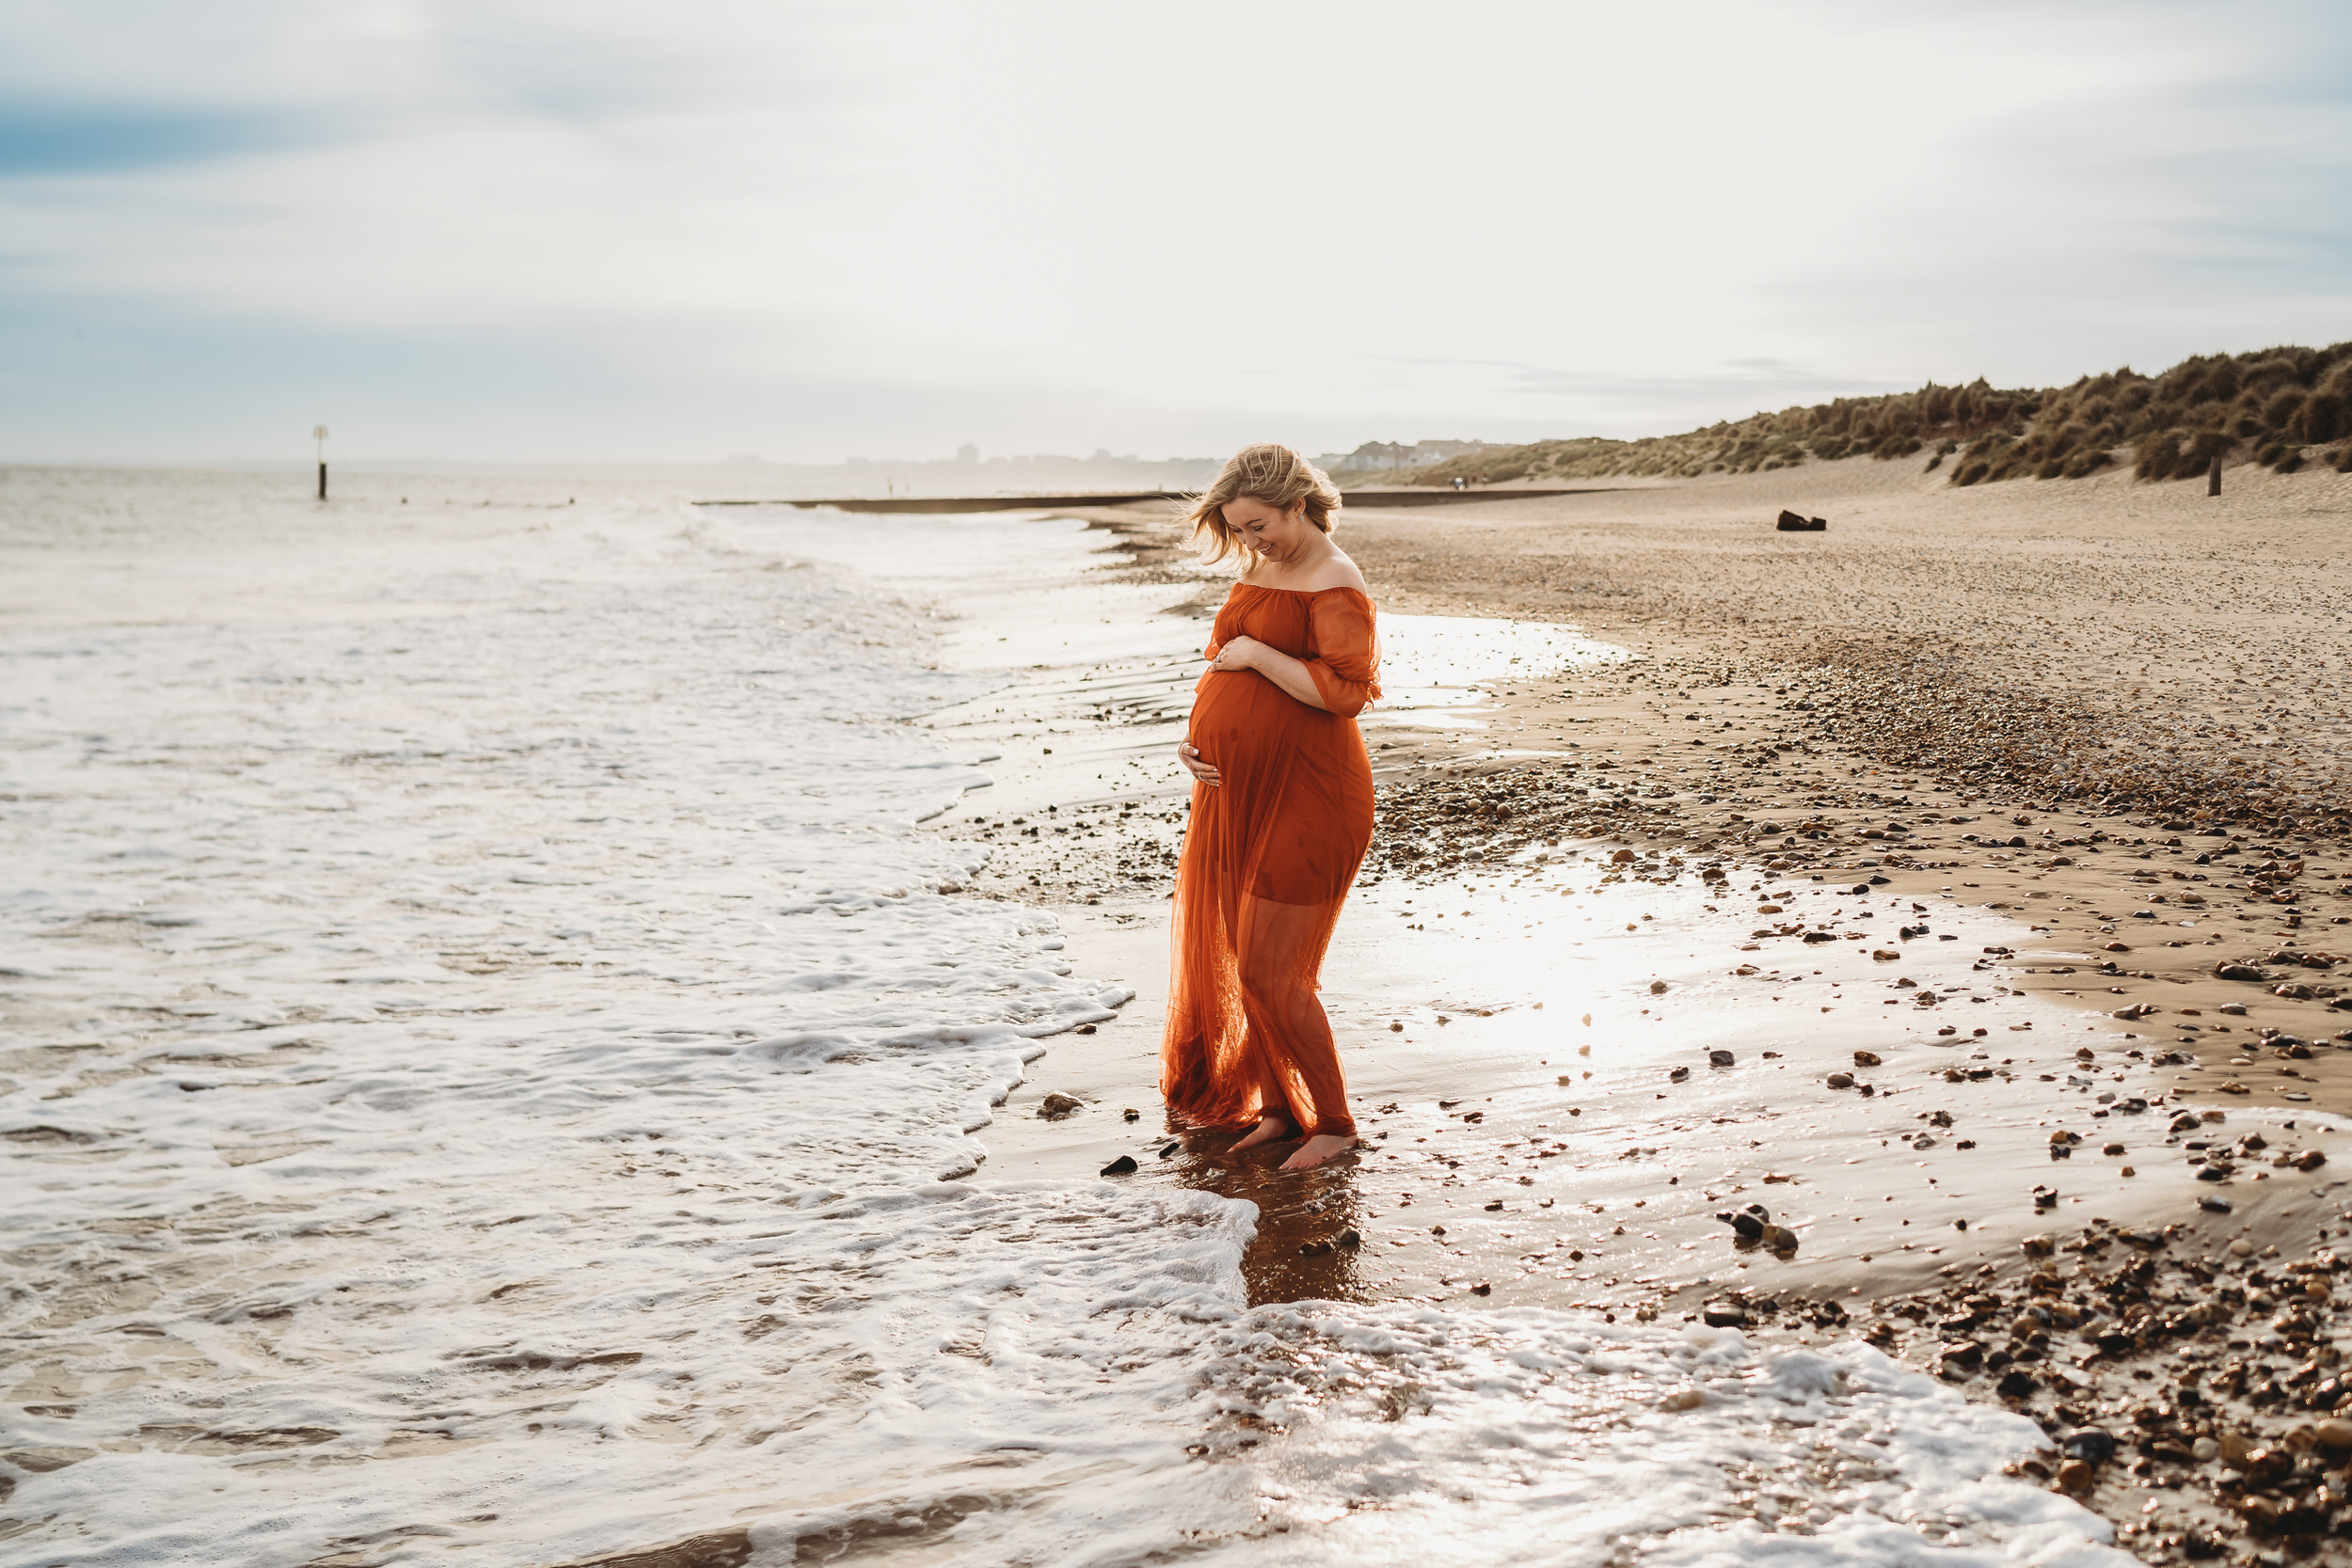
column 2281, row 407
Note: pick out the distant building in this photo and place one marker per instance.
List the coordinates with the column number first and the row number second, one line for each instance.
column 967, row 453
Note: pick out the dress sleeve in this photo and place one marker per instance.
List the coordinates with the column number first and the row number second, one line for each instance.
column 1345, row 663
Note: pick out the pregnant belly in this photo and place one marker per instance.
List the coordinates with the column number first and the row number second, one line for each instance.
column 1238, row 723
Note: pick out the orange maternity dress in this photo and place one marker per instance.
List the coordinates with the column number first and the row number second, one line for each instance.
column 1268, row 857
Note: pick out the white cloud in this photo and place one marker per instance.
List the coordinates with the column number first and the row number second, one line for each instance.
column 1347, row 220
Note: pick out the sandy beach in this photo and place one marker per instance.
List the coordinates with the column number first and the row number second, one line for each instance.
column 1941, row 826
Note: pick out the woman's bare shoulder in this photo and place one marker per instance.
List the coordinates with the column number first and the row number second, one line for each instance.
column 1338, row 572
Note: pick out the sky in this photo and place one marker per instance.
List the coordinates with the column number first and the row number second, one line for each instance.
column 530, row 231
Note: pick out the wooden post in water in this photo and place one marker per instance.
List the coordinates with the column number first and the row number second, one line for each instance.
column 2213, row 476
column 318, row 434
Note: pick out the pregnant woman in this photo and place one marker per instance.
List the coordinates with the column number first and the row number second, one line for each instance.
column 1281, row 812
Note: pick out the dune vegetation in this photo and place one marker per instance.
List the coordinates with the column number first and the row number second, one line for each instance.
column 2279, row 407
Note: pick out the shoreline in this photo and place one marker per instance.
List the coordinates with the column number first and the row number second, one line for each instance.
column 1721, row 759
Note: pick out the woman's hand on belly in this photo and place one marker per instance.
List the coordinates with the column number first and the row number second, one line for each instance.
column 1190, row 754
column 1289, row 676
column 1240, row 653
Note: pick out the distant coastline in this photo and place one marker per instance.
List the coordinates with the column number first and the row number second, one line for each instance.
column 2279, row 408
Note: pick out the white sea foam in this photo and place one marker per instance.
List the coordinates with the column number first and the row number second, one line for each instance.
column 490, row 1060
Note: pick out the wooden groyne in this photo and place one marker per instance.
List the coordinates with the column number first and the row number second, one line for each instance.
column 1047, row 504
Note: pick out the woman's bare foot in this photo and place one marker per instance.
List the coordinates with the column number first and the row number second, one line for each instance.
column 1270, row 1129
column 1315, row 1151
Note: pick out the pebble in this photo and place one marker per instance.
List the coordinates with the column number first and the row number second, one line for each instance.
column 1056, row 1106
column 1123, row 1166
column 2095, row 1444
column 1868, row 1058
column 1721, row 1058
column 1841, row 1080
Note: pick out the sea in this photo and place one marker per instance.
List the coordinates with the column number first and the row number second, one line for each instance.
column 496, row 1072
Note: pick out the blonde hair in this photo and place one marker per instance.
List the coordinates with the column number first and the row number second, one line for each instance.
column 1273, row 475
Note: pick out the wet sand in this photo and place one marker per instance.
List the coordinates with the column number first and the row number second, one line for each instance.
column 1966, row 800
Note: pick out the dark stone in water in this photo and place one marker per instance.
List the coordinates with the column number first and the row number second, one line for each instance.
column 1123, row 1166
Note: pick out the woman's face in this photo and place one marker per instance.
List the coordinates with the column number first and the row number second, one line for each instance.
column 1267, row 530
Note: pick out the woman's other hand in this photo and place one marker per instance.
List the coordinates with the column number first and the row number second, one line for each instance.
column 1240, row 653
column 1190, row 754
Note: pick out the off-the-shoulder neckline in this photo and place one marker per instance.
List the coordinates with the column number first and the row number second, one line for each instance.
column 1310, row 593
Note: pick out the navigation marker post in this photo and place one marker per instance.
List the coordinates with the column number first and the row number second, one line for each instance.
column 318, row 434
